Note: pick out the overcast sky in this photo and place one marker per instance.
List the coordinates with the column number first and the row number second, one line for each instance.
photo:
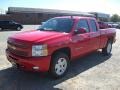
column 105, row 6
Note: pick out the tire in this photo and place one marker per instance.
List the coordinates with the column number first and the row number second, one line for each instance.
column 59, row 65
column 18, row 28
column 0, row 29
column 108, row 48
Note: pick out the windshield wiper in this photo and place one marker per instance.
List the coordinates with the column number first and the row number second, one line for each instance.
column 48, row 29
column 40, row 29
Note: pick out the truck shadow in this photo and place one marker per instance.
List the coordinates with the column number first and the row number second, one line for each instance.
column 13, row 79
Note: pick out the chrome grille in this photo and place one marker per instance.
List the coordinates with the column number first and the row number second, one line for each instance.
column 17, row 49
column 19, row 45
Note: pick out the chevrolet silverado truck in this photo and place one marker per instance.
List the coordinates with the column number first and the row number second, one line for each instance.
column 58, row 41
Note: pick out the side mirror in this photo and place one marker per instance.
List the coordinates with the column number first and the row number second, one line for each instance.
column 80, row 31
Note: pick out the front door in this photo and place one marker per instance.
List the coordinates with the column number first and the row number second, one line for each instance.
column 80, row 41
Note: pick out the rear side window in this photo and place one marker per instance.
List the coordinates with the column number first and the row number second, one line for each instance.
column 83, row 24
column 2, row 22
column 5, row 22
column 93, row 25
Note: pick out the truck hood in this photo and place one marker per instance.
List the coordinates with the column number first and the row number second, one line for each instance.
column 37, row 36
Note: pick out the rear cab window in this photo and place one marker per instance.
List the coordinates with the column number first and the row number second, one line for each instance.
column 5, row 22
column 93, row 26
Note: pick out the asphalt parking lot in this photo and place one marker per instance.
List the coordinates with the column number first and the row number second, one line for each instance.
column 93, row 72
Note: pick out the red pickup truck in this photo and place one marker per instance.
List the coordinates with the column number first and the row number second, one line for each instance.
column 57, row 42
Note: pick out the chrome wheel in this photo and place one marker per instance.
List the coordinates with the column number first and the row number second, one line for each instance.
column 61, row 66
column 109, row 47
column 0, row 29
column 107, row 50
column 18, row 28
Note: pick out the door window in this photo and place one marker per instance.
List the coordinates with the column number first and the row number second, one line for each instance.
column 83, row 24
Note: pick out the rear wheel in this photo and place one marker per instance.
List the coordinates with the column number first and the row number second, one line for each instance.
column 59, row 65
column 107, row 50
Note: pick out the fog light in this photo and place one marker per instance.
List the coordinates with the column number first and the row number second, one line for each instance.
column 36, row 68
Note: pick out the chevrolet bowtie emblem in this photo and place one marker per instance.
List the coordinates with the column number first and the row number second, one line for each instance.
column 13, row 47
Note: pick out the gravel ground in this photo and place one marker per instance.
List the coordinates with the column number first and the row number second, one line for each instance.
column 93, row 72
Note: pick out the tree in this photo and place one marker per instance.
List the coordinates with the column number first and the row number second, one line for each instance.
column 115, row 18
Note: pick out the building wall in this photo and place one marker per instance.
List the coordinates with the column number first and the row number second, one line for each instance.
column 28, row 18
column 22, row 18
column 5, row 17
column 101, row 16
column 36, row 15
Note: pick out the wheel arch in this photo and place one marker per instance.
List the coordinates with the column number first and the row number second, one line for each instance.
column 111, row 39
column 65, row 50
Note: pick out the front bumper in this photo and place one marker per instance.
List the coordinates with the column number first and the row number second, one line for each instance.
column 40, row 64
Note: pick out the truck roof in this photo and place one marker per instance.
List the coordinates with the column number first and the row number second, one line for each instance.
column 76, row 17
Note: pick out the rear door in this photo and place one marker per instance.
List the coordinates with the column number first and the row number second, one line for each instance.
column 81, row 41
column 94, row 35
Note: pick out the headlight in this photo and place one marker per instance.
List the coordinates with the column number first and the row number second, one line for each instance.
column 39, row 50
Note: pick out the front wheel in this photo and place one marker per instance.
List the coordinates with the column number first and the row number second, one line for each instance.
column 107, row 50
column 18, row 28
column 59, row 65
column 0, row 29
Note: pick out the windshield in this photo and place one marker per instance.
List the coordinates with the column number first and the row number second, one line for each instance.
column 57, row 24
